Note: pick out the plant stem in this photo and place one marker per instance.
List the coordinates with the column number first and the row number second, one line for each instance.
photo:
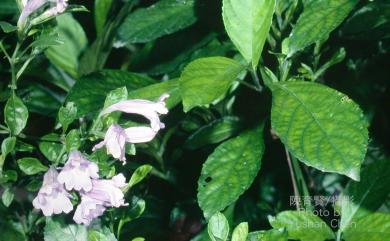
column 295, row 186
column 301, row 183
column 256, row 80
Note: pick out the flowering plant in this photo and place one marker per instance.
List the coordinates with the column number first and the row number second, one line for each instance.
column 217, row 120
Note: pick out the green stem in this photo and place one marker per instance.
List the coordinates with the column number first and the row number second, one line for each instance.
column 293, row 179
column 338, row 236
column 256, row 80
column 301, row 183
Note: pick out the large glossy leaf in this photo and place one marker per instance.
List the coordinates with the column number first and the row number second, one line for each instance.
column 361, row 198
column 58, row 231
column 375, row 227
column 74, row 40
column 320, row 126
column 247, row 23
column 164, row 17
column 303, row 226
column 318, row 20
column 229, row 171
column 206, row 80
column 154, row 91
column 89, row 92
column 15, row 114
column 215, row 132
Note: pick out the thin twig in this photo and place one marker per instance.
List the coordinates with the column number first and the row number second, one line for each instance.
column 295, row 187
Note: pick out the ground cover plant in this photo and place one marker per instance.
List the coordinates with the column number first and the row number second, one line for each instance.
column 194, row 120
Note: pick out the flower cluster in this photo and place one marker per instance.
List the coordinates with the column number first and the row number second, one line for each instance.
column 80, row 174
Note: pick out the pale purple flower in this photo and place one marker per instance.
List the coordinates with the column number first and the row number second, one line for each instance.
column 88, row 210
column 104, row 193
column 52, row 198
column 78, row 172
column 28, row 8
column 59, row 7
column 149, row 109
column 116, row 138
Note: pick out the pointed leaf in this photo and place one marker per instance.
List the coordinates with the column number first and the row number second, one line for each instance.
column 247, row 23
column 320, row 126
column 206, row 80
column 240, row 233
column 229, row 171
column 31, row 166
column 218, row 227
column 15, row 114
column 375, row 227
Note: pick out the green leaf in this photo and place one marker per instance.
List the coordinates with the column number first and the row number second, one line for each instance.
column 247, row 23
column 7, row 197
column 206, row 80
column 50, row 146
column 229, row 171
column 269, row 235
column 135, row 210
column 218, row 227
column 7, row 146
column 103, row 234
column 375, row 227
column 31, row 166
column 240, row 233
column 101, row 10
column 34, row 185
column 164, row 17
column 320, row 126
column 7, row 27
column 154, row 91
column 116, row 96
column 67, row 114
column 58, row 231
column 72, row 140
column 139, row 175
column 89, row 92
column 8, row 7
column 8, row 176
column 66, row 55
column 317, row 21
column 15, row 114
column 302, row 225
column 361, row 198
column 215, row 132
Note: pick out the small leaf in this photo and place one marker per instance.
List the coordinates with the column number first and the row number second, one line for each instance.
column 269, row 235
column 374, row 227
column 7, row 27
column 303, row 226
column 67, row 114
column 8, row 145
column 9, row 176
column 31, row 166
column 56, row 230
column 359, row 199
column 206, row 80
column 247, row 23
column 72, row 140
column 218, row 227
column 135, row 210
column 229, row 171
column 50, row 146
column 103, row 234
column 317, row 21
column 7, row 197
column 34, row 185
column 320, row 126
column 164, row 17
column 139, row 174
column 215, row 132
column 15, row 114
column 240, row 233
column 116, row 96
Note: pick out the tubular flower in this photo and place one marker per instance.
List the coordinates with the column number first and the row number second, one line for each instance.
column 104, row 193
column 149, row 109
column 77, row 172
column 28, row 8
column 58, row 8
column 52, row 198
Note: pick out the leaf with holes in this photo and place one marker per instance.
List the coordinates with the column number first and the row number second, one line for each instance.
column 230, row 170
column 320, row 126
column 247, row 23
column 359, row 199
